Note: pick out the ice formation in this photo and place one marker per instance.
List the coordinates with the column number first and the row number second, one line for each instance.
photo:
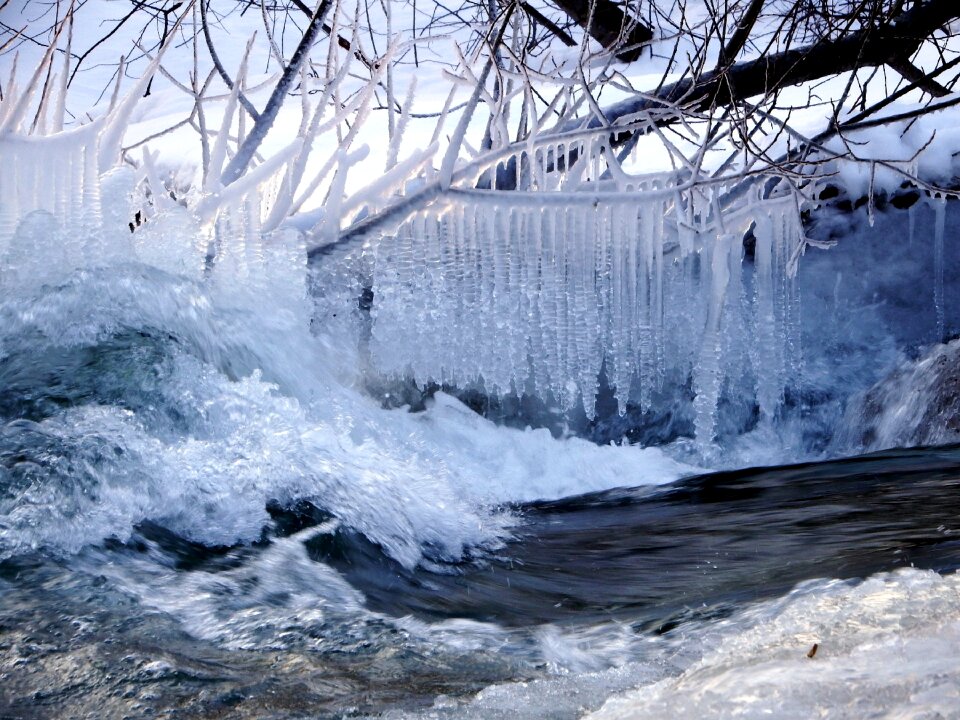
column 69, row 204
column 940, row 211
column 535, row 290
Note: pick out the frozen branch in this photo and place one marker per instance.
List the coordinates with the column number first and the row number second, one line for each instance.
column 264, row 121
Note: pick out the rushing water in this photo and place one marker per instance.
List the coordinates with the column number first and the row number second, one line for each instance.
column 200, row 517
column 593, row 595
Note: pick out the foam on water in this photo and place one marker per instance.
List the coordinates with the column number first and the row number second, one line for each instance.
column 135, row 392
column 886, row 649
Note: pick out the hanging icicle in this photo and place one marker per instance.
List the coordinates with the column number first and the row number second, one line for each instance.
column 527, row 294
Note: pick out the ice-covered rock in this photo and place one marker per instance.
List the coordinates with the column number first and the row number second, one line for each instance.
column 916, row 404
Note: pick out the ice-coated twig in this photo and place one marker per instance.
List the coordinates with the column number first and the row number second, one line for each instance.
column 330, row 224
column 284, row 205
column 384, row 186
column 265, row 120
column 111, row 140
column 396, row 136
column 115, row 95
column 211, row 204
column 219, row 151
column 20, row 103
column 456, row 140
column 361, row 106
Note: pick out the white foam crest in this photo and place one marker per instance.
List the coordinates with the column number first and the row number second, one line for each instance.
column 246, row 444
column 278, row 599
column 268, row 418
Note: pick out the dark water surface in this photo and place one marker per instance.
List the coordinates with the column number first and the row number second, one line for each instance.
column 652, row 555
column 76, row 641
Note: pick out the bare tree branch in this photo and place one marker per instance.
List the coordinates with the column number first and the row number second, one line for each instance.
column 869, row 47
column 915, row 75
column 609, row 25
column 224, row 75
column 264, row 122
column 741, row 34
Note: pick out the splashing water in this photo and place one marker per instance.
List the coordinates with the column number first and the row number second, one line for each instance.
column 141, row 387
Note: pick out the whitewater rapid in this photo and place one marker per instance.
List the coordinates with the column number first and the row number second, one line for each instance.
column 196, row 487
column 131, row 394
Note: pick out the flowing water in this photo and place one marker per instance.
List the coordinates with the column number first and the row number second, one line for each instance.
column 203, row 514
column 195, row 522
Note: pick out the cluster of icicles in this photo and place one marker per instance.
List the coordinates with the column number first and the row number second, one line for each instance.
column 535, row 293
column 59, row 213
column 539, row 290
column 67, row 203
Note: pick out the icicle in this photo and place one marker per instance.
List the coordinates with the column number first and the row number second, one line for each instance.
column 623, row 316
column 91, row 188
column 462, row 301
column 549, row 300
column 487, row 305
column 659, row 213
column 590, row 372
column 791, row 351
column 580, row 350
column 9, row 192
column 634, row 255
column 77, row 178
column 647, row 366
column 708, row 375
column 565, row 387
column 27, row 188
column 62, row 185
column 469, row 306
column 765, row 355
column 502, row 301
column 940, row 213
column 519, row 277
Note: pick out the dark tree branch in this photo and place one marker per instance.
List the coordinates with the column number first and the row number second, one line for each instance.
column 558, row 31
column 264, row 122
column 228, row 81
column 99, row 42
column 870, row 47
column 741, row 34
column 915, row 75
column 609, row 25
column 341, row 41
column 166, row 28
column 881, row 104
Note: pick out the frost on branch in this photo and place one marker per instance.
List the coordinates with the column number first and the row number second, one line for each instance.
column 67, row 203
